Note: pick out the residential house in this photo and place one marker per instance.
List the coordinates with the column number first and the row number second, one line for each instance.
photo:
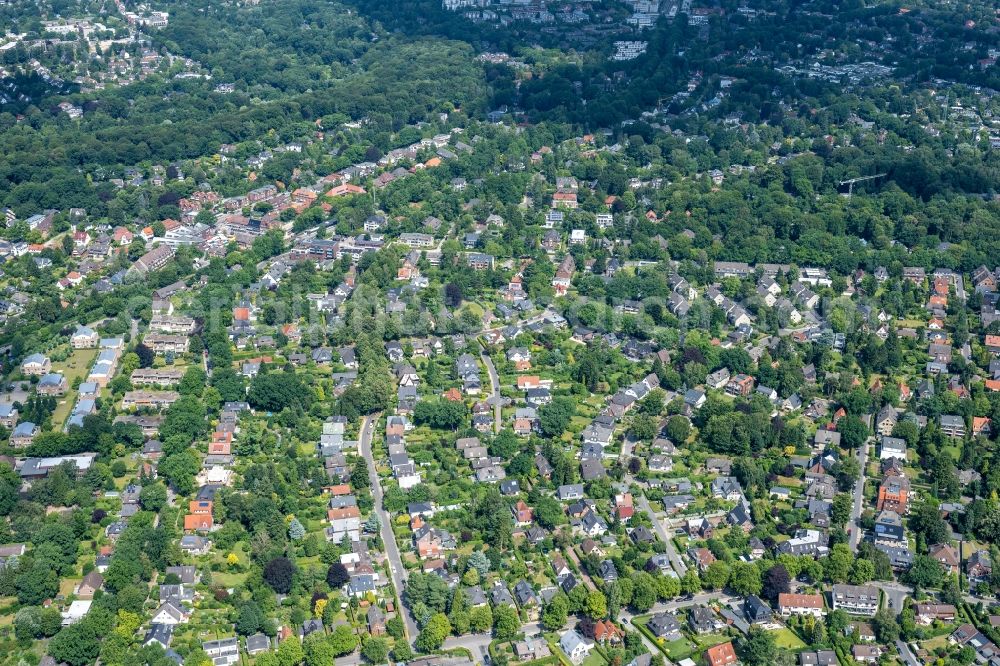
column 926, row 614
column 946, row 555
column 223, row 651
column 36, row 364
column 800, row 604
column 756, row 611
column 607, row 633
column 979, row 568
column 866, row 654
column 376, row 621
column 90, row 584
column 856, row 599
column 575, row 646
column 893, row 494
column 665, row 626
column 703, row 620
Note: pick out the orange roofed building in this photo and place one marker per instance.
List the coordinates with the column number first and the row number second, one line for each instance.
column 346, row 512
column 221, row 444
column 893, row 494
column 528, row 382
column 199, row 516
column 605, row 631
column 198, row 523
column 721, row 655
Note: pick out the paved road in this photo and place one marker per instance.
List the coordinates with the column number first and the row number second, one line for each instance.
column 859, row 496
column 907, row 654
column 698, row 599
column 675, row 559
column 677, row 604
column 478, row 645
column 388, row 538
column 895, row 593
column 474, row 643
column 495, row 381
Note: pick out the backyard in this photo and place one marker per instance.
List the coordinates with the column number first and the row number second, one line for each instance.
column 786, row 639
column 75, row 366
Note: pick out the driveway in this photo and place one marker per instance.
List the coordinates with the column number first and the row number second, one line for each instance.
column 495, row 381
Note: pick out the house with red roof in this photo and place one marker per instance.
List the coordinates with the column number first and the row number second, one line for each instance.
column 123, row 236
column 624, row 510
column 721, row 655
column 605, row 632
column 523, row 515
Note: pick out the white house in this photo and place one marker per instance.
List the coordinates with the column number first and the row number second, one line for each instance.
column 36, row 364
column 800, row 604
column 893, row 447
column 76, row 611
column 170, row 614
column 576, row 647
column 223, row 652
column 84, row 338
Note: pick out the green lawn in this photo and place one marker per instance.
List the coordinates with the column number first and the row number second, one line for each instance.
column 228, row 579
column 786, row 639
column 675, row 650
column 710, row 640
column 594, row 659
column 76, row 365
column 475, row 308
column 682, row 648
column 935, row 643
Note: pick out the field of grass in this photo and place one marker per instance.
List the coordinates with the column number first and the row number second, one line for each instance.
column 935, row 643
column 228, row 579
column 66, row 586
column 475, row 308
column 786, row 639
column 954, row 450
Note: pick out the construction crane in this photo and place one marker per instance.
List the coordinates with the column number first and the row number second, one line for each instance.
column 850, row 182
